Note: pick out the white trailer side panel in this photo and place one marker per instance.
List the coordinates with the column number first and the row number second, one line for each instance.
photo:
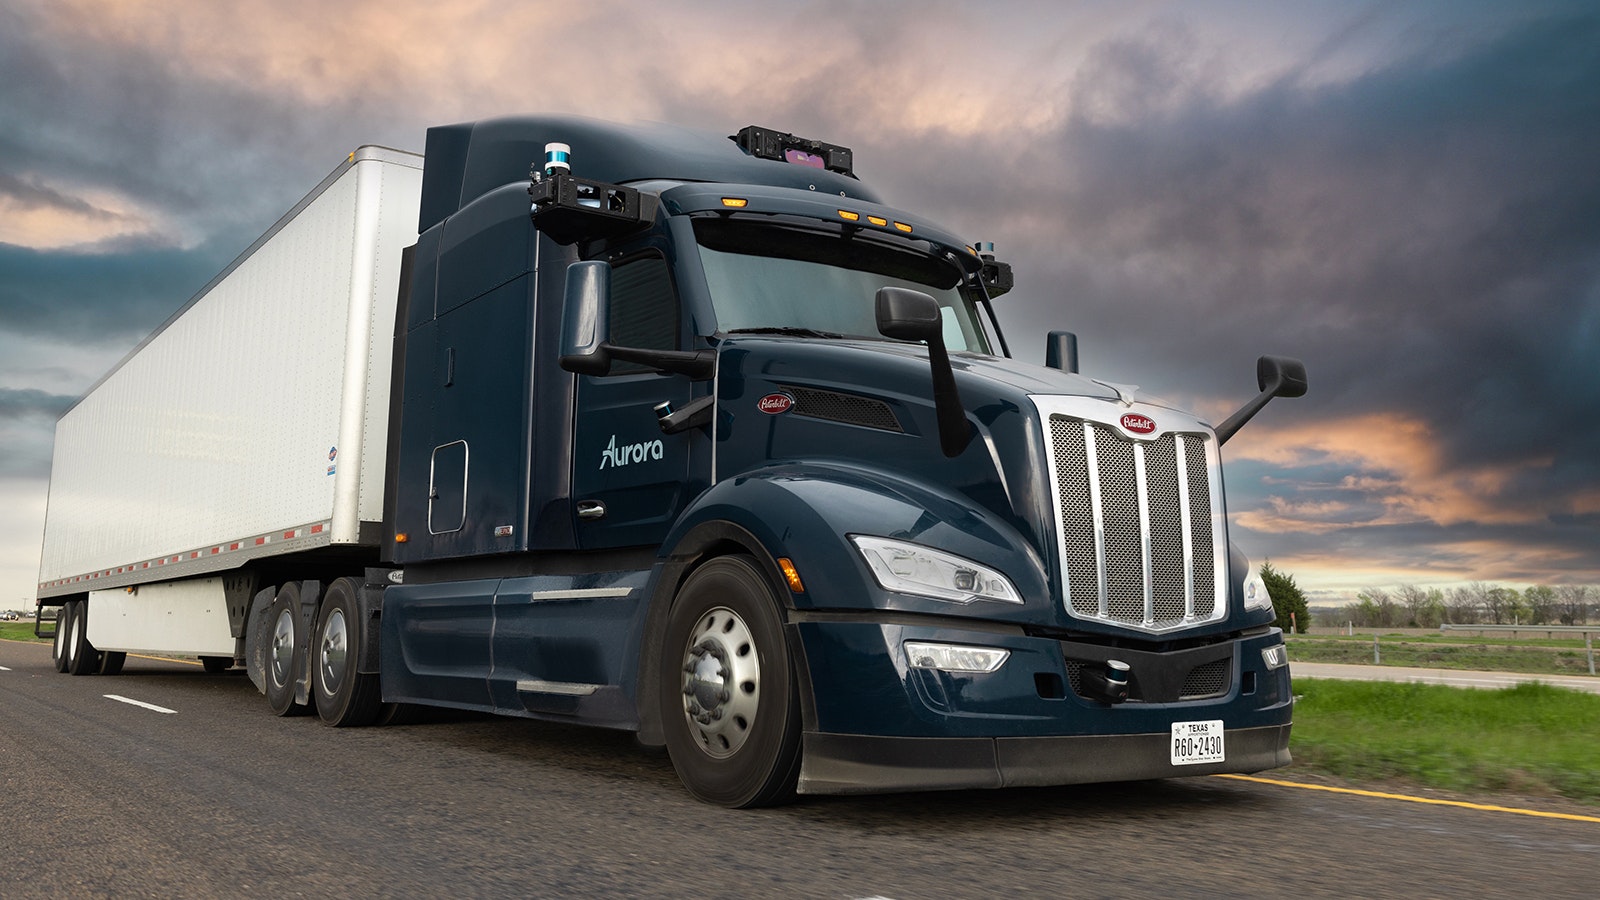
column 255, row 420
column 187, row 617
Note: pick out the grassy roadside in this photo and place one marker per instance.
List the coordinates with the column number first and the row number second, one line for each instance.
column 18, row 631
column 1532, row 655
column 1532, row 739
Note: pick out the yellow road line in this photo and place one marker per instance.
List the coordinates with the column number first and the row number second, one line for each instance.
column 1410, row 799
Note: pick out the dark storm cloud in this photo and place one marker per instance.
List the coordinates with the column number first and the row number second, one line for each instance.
column 27, row 402
column 95, row 297
column 1426, row 236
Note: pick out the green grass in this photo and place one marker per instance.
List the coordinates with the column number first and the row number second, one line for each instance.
column 1533, row 655
column 1530, row 739
column 18, row 631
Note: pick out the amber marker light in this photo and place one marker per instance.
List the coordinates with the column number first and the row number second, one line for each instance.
column 401, row 538
column 735, row 202
column 849, row 216
column 879, row 221
column 901, row 226
column 791, row 575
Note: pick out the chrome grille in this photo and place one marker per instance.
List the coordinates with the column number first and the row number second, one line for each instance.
column 1137, row 542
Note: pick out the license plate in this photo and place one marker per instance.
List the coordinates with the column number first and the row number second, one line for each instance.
column 1197, row 742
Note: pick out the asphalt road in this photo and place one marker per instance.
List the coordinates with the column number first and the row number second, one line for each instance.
column 1452, row 677
column 101, row 797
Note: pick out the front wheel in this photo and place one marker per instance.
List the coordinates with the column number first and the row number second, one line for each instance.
column 729, row 704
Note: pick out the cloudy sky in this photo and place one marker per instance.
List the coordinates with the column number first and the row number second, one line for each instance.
column 1405, row 196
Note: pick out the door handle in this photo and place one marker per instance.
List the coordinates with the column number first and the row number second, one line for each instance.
column 591, row 509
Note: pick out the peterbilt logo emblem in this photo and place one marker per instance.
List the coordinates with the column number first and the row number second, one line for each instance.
column 772, row 404
column 1138, row 424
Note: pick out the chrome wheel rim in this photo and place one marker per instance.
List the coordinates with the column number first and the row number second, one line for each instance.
column 335, row 651
column 721, row 682
column 282, row 648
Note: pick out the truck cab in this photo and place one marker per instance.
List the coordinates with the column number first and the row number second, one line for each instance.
column 697, row 437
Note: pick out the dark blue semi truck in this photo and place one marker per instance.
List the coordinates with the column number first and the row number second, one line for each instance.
column 692, row 436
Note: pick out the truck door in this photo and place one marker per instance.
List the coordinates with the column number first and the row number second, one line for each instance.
column 629, row 480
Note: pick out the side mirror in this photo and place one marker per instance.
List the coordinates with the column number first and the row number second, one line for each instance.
column 1276, row 376
column 586, row 348
column 1281, row 376
column 1061, row 351
column 907, row 315
column 585, row 319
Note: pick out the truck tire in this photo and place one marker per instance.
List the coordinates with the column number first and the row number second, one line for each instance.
column 82, row 658
column 58, row 649
column 285, row 651
column 729, row 702
column 345, row 697
column 111, row 662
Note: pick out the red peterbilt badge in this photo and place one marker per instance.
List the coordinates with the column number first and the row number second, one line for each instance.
column 1138, row 424
column 772, row 404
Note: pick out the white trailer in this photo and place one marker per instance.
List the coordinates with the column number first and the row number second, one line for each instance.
column 252, row 424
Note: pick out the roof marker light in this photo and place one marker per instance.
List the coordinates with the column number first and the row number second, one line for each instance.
column 849, row 216
column 901, row 226
column 735, row 202
column 879, row 221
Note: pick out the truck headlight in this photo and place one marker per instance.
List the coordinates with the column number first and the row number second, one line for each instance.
column 914, row 569
column 1255, row 592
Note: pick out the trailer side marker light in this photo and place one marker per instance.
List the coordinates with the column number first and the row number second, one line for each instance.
column 791, row 575
column 735, row 202
column 849, row 216
column 901, row 226
column 879, row 221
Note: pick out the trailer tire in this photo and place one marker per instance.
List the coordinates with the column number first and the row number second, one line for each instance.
column 82, row 658
column 58, row 650
column 285, row 653
column 345, row 696
column 111, row 662
column 729, row 700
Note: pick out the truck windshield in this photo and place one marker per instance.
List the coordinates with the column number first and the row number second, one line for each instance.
column 775, row 278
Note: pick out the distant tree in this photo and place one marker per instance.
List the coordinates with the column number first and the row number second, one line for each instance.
column 1287, row 598
column 1378, row 606
column 1540, row 602
column 1466, row 604
column 1424, row 609
column 1572, row 603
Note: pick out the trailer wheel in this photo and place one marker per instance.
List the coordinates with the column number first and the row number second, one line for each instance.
column 285, row 658
column 111, row 662
column 729, row 704
column 344, row 695
column 82, row 658
column 58, row 650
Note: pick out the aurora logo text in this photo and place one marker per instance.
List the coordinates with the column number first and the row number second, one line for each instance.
column 615, row 456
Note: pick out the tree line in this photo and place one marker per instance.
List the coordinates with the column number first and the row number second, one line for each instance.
column 1477, row 603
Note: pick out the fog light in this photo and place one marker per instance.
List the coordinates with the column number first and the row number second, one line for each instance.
column 1276, row 656
column 954, row 658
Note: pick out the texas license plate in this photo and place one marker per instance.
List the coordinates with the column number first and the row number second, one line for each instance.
column 1197, row 742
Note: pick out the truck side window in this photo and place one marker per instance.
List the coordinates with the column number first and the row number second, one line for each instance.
column 644, row 309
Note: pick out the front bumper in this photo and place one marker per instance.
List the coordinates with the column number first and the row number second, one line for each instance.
column 862, row 764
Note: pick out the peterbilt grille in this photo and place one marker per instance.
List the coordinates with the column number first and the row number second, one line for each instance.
column 1135, row 520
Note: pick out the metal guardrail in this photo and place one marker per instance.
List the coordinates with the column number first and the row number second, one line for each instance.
column 1550, row 631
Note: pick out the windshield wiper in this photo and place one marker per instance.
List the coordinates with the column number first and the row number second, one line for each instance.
column 786, row 330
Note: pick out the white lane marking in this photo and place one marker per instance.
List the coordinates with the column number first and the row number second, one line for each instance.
column 4, row 669
column 141, row 703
